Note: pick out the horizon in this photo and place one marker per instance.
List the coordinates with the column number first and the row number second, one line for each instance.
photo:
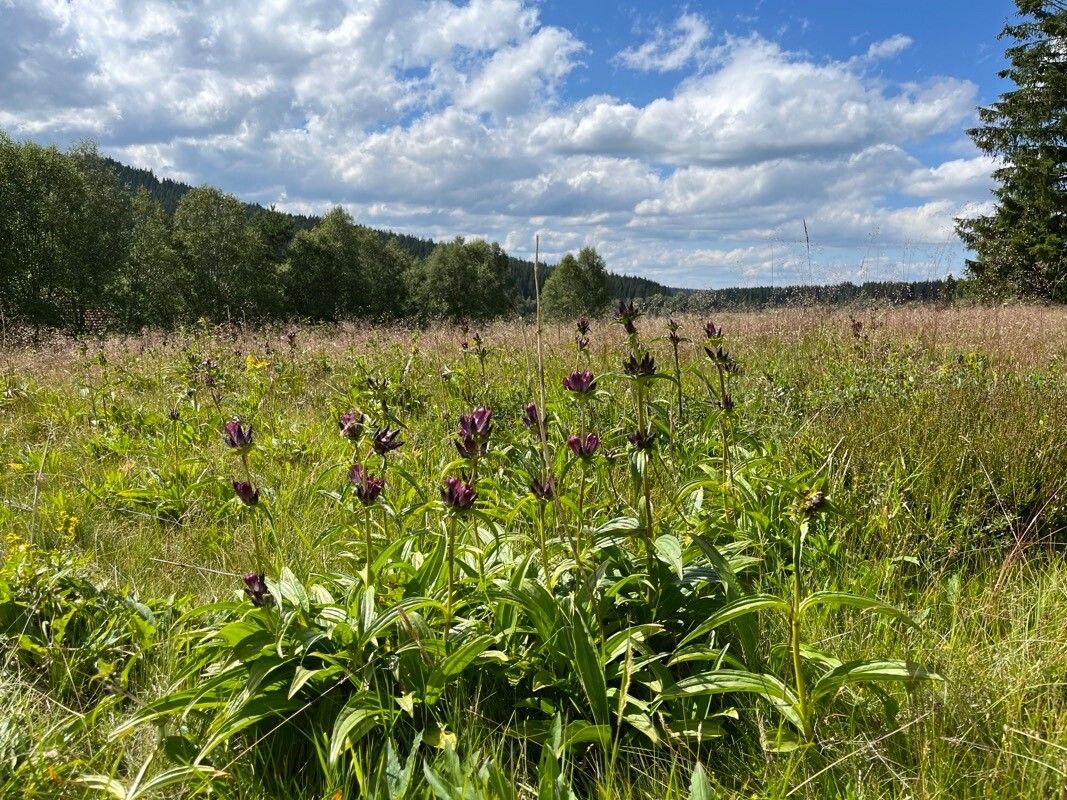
column 690, row 146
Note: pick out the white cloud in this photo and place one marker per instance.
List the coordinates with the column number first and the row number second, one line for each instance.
column 441, row 117
column 760, row 103
column 669, row 49
column 887, row 48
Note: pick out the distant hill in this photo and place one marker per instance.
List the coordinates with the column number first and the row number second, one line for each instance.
column 168, row 193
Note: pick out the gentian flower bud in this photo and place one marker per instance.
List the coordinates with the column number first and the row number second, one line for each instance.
column 478, row 423
column 583, row 448
column 581, row 383
column 351, row 424
column 386, row 440
column 458, row 495
column 256, row 589
column 236, row 436
column 174, row 415
column 644, row 368
column 583, row 326
column 672, row 335
column 544, row 490
column 365, row 485
column 248, row 493
column 711, row 331
column 726, row 403
column 643, row 440
column 531, row 418
column 720, row 358
column 582, row 342
column 626, row 313
column 469, row 447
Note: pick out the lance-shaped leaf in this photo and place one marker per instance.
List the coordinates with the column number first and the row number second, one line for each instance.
column 733, row 610
column 875, row 671
column 852, row 601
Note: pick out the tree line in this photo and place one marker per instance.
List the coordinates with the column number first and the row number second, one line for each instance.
column 87, row 244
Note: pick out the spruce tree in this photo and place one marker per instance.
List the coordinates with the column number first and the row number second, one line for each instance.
column 1021, row 248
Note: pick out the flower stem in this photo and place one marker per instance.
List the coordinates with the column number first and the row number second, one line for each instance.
column 794, row 635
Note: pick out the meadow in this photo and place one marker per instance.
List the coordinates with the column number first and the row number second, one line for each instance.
column 798, row 553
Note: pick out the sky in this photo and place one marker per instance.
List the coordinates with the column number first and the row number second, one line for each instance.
column 691, row 143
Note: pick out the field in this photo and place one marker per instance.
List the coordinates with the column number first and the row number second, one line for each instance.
column 826, row 563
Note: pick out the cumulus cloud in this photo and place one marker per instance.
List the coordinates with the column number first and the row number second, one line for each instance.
column 670, row 48
column 887, row 48
column 445, row 117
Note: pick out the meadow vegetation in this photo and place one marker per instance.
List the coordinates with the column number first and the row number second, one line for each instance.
column 799, row 553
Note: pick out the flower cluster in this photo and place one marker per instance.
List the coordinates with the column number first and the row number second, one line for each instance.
column 246, row 492
column 531, row 418
column 583, row 384
column 672, row 333
column 352, row 424
column 474, row 430
column 386, row 440
column 544, row 490
column 366, row 486
column 236, row 436
column 458, row 495
column 626, row 314
column 256, row 589
column 583, row 447
column 645, row 367
column 643, row 440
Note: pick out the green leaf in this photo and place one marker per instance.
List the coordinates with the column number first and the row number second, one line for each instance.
column 877, row 671
column 737, row 608
column 699, row 788
column 292, row 590
column 590, row 672
column 669, row 551
column 454, row 664
column 853, row 601
column 360, row 714
column 724, row 681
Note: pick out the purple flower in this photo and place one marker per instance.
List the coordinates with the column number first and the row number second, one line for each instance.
column 643, row 440
column 469, row 447
column 174, row 415
column 544, row 490
column 711, row 331
column 583, row 448
column 644, row 368
column 237, row 436
column 458, row 495
column 386, row 440
column 581, row 383
column 366, row 486
column 727, row 403
column 531, row 417
column 351, row 424
column 583, row 326
column 582, row 342
column 256, row 589
column 625, row 314
column 474, row 430
column 248, row 493
column 478, row 423
column 720, row 358
column 672, row 333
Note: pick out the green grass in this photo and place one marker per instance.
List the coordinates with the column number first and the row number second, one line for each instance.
column 938, row 436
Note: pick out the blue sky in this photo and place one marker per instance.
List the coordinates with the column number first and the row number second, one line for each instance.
column 687, row 142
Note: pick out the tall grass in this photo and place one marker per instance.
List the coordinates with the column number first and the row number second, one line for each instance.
column 938, row 436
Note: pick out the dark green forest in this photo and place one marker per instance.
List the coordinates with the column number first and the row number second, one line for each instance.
column 168, row 193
